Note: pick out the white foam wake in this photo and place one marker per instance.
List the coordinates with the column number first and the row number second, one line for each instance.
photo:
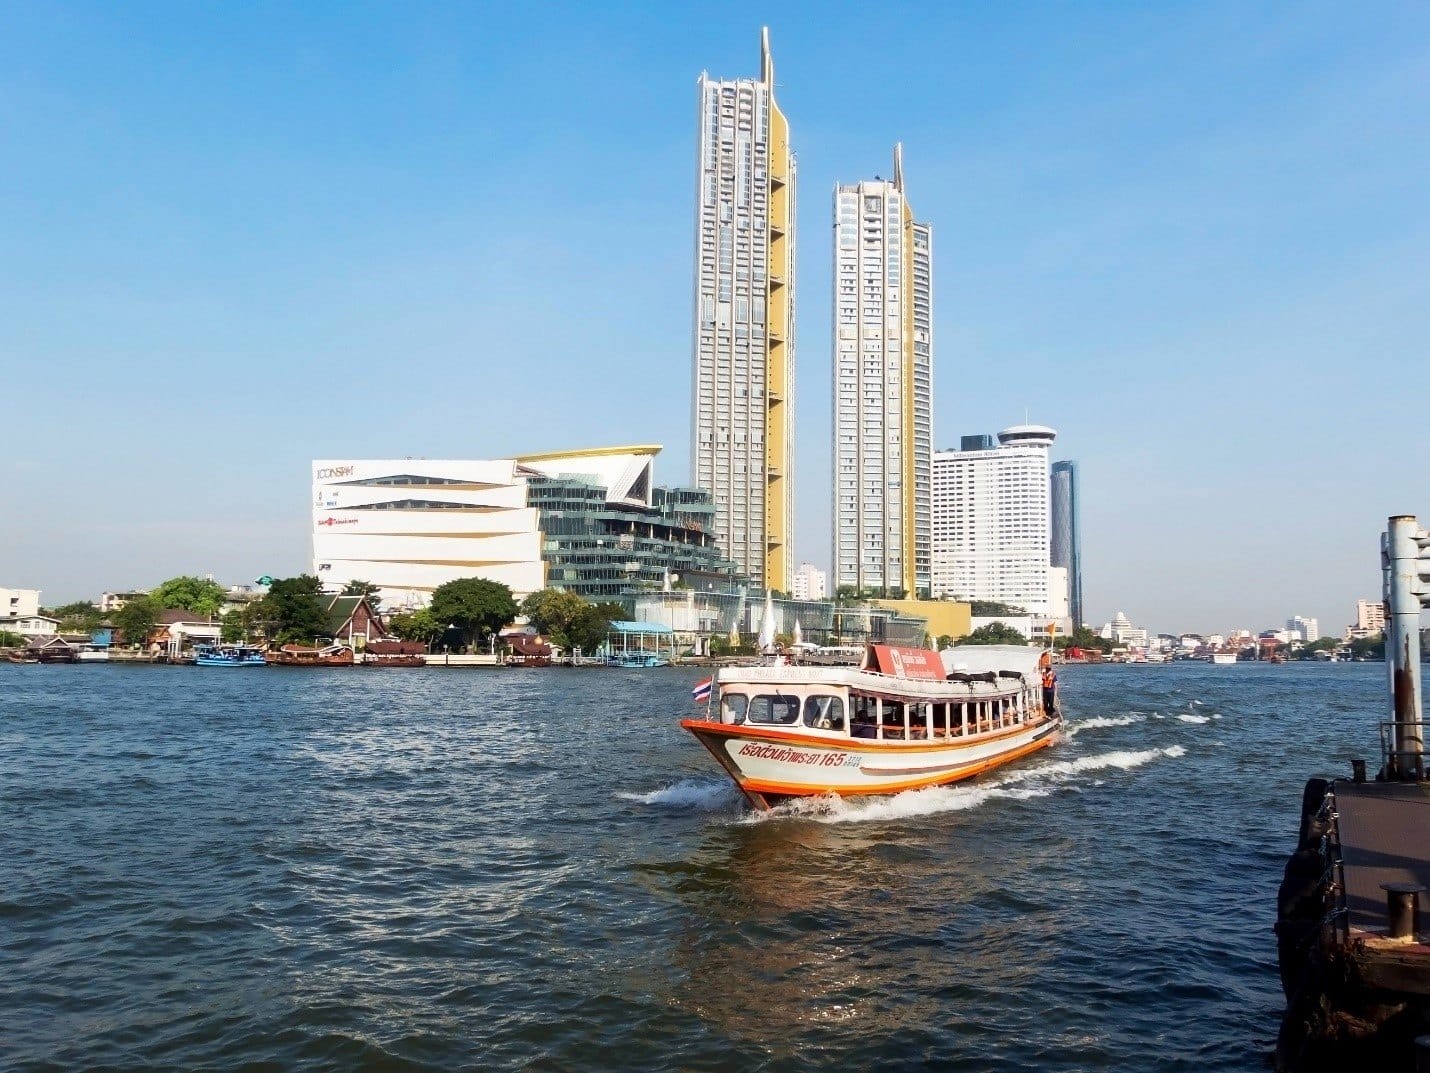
column 687, row 793
column 1101, row 722
column 1194, row 718
column 1039, row 781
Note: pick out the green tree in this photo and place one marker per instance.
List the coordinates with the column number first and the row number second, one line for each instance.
column 1321, row 644
column 292, row 612
column 569, row 619
column 78, row 617
column 419, row 625
column 137, row 618
column 995, row 633
column 474, row 606
column 994, row 609
column 11, row 640
column 1084, row 638
column 553, row 612
column 1372, row 647
column 199, row 595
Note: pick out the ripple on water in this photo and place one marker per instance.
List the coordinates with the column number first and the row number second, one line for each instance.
column 441, row 869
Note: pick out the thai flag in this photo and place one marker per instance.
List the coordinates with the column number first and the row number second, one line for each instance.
column 701, row 692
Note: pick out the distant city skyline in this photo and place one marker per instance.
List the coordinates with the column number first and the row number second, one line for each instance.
column 1193, row 240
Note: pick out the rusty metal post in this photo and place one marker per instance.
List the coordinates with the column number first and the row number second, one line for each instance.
column 1402, row 646
column 1402, row 909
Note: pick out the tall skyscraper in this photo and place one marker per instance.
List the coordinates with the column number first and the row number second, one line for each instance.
column 883, row 388
column 1066, row 547
column 742, row 402
column 990, row 520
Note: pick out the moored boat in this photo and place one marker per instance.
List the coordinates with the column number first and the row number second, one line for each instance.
column 904, row 719
column 387, row 653
column 233, row 655
column 298, row 656
column 1223, row 657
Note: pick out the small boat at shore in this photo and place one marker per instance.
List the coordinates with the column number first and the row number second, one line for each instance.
column 1223, row 657
column 904, row 719
column 229, row 656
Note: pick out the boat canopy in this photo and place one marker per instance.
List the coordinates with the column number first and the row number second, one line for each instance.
column 641, row 628
column 980, row 659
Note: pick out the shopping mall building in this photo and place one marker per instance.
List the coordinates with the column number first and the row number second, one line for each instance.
column 592, row 522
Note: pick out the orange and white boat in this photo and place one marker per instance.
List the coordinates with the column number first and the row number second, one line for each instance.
column 904, row 719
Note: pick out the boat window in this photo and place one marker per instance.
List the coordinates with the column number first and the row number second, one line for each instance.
column 826, row 713
column 732, row 707
column 773, row 709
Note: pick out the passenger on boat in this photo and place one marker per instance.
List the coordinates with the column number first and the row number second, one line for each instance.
column 1050, row 690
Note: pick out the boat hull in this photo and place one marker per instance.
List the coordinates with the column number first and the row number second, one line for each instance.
column 770, row 766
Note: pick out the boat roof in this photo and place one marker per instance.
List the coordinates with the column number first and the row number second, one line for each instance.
column 976, row 659
column 863, row 681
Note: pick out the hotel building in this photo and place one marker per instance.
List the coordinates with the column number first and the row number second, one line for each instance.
column 741, row 404
column 883, row 389
column 588, row 521
column 991, row 520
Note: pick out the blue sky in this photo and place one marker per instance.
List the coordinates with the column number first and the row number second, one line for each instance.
column 1195, row 239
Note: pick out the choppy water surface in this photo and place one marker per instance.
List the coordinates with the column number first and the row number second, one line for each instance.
column 439, row 869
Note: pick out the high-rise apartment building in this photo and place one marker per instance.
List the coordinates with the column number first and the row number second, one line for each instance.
column 809, row 583
column 1065, row 550
column 1301, row 628
column 991, row 520
column 883, row 388
column 742, row 404
column 1370, row 615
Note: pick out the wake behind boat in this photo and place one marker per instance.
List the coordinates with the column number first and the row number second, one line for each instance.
column 906, row 718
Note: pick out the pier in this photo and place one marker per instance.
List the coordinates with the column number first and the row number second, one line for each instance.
column 1353, row 942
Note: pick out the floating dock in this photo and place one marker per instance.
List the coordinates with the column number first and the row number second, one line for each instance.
column 1353, row 944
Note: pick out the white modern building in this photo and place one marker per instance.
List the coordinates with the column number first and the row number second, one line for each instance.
column 19, row 603
column 809, row 583
column 991, row 520
column 1120, row 631
column 1300, row 628
column 883, row 389
column 409, row 525
column 742, row 385
column 589, row 521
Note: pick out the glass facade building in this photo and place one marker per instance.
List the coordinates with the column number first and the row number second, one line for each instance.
column 599, row 548
column 1065, row 544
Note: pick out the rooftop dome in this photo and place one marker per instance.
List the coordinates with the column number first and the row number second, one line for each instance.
column 1029, row 434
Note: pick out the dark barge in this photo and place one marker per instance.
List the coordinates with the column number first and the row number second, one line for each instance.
column 1352, row 945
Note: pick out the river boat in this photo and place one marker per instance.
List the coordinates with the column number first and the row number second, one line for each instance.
column 904, row 719
column 636, row 660
column 92, row 653
column 298, row 656
column 1223, row 657
column 229, row 656
column 385, row 653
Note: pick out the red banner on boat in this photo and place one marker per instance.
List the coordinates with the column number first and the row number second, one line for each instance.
column 904, row 662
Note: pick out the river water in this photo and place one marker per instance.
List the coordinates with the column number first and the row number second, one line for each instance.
column 445, row 869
